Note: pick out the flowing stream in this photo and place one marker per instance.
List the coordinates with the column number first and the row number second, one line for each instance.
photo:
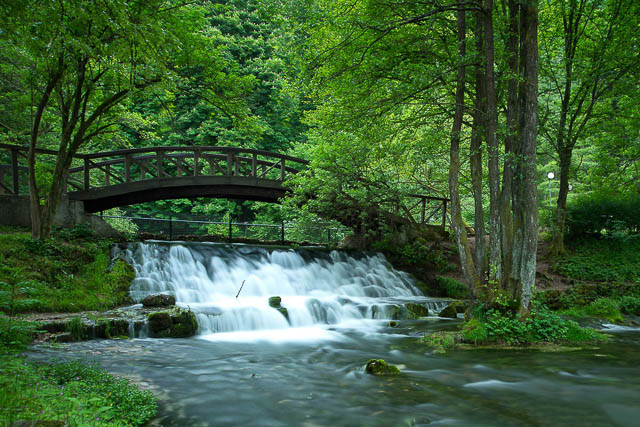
column 250, row 365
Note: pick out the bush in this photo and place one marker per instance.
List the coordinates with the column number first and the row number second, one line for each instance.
column 630, row 305
column 542, row 326
column 598, row 212
column 452, row 288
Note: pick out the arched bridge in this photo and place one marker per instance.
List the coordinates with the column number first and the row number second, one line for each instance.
column 124, row 177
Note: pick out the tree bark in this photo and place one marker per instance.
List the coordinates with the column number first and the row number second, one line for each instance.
column 464, row 249
column 495, row 258
column 529, row 20
column 475, row 155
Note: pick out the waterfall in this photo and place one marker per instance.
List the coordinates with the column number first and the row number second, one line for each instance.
column 317, row 288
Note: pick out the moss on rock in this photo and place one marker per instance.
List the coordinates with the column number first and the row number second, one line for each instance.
column 418, row 309
column 380, row 367
column 449, row 311
column 178, row 323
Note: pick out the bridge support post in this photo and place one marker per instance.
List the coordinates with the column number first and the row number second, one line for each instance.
column 230, row 230
column 170, row 227
column 282, row 233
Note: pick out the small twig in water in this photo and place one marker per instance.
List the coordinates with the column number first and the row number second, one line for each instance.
column 240, row 290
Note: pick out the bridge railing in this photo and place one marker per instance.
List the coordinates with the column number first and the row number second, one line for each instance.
column 123, row 166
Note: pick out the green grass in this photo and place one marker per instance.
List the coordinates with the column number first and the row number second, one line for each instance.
column 602, row 308
column 603, row 260
column 72, row 392
column 69, row 272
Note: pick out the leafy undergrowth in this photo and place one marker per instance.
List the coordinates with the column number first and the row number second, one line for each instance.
column 505, row 329
column 610, row 309
column 603, row 260
column 71, row 392
column 69, row 272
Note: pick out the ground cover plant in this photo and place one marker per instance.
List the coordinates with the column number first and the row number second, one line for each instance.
column 74, row 272
column 603, row 260
column 72, row 392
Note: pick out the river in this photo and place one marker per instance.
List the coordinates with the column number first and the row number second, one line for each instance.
column 250, row 366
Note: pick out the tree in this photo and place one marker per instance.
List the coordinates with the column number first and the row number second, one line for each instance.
column 81, row 59
column 592, row 49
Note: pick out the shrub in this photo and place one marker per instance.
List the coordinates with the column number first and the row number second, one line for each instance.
column 452, row 288
column 542, row 326
column 606, row 308
column 630, row 305
column 597, row 212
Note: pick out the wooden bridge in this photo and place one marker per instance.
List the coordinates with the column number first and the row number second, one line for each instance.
column 125, row 177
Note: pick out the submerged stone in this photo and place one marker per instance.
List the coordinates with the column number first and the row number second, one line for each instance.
column 159, row 300
column 381, row 368
column 275, row 301
column 393, row 324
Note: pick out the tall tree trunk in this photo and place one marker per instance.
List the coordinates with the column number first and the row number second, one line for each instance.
column 510, row 146
column 495, row 258
column 529, row 20
column 466, row 260
column 475, row 155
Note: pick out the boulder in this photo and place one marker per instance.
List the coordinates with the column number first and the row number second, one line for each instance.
column 178, row 323
column 381, row 368
column 393, row 324
column 418, row 309
column 449, row 311
column 159, row 300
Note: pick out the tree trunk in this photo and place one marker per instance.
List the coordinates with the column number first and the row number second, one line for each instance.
column 475, row 156
column 510, row 147
column 464, row 250
column 529, row 20
column 495, row 258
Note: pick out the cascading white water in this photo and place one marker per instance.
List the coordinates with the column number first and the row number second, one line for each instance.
column 317, row 288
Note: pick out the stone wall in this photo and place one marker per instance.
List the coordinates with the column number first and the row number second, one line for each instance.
column 15, row 210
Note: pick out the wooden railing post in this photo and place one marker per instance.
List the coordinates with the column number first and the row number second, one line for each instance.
column 254, row 166
column 424, row 208
column 127, row 167
column 229, row 163
column 230, row 230
column 14, row 171
column 86, row 174
column 196, row 159
column 444, row 213
column 282, row 170
column 159, row 159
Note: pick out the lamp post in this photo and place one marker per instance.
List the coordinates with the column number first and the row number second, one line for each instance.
column 550, row 175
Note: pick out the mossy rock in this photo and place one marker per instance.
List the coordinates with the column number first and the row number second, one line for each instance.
column 401, row 312
column 275, row 301
column 418, row 309
column 460, row 306
column 111, row 328
column 380, row 367
column 159, row 300
column 178, row 323
column 393, row 324
column 284, row 312
column 449, row 311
